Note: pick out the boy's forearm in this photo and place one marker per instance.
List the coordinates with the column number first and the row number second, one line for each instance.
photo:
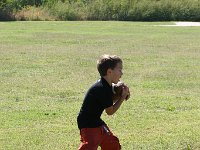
column 117, row 105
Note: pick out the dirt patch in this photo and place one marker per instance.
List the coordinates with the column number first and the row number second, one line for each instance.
column 183, row 24
column 187, row 23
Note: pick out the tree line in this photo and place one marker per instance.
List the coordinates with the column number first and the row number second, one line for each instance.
column 121, row 10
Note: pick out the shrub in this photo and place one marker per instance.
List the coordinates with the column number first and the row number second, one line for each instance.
column 34, row 13
column 164, row 10
column 69, row 11
column 155, row 11
column 6, row 10
column 131, row 10
column 186, row 11
column 19, row 4
column 108, row 10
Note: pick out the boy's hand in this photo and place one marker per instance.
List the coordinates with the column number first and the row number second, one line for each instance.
column 125, row 92
column 128, row 96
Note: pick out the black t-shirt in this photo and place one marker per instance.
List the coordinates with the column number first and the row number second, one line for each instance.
column 98, row 97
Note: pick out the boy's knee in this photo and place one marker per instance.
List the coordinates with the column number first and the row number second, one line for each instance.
column 111, row 144
column 115, row 145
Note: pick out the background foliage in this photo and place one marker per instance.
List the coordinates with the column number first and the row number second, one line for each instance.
column 123, row 10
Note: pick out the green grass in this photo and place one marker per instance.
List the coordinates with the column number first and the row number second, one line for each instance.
column 46, row 68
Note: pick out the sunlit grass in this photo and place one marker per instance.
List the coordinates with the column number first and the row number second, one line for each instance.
column 46, row 68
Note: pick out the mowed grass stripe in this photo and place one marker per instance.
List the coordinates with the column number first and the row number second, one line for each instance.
column 46, row 68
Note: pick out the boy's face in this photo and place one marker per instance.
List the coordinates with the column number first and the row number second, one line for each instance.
column 116, row 73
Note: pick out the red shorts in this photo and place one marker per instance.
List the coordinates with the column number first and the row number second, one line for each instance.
column 91, row 138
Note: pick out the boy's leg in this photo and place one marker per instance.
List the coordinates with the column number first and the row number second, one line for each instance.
column 110, row 142
column 90, row 138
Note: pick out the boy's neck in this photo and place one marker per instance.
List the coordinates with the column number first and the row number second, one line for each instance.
column 108, row 80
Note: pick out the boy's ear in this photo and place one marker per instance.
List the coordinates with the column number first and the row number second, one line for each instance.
column 109, row 71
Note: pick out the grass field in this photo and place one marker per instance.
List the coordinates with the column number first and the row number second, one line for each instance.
column 46, row 67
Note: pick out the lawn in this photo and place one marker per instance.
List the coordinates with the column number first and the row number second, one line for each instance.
column 46, row 68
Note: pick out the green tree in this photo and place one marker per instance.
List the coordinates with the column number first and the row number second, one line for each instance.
column 5, row 10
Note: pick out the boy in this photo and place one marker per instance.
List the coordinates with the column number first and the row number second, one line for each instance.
column 93, row 131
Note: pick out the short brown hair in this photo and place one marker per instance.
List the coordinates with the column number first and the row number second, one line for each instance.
column 106, row 62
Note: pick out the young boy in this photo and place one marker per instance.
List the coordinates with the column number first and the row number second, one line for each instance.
column 93, row 131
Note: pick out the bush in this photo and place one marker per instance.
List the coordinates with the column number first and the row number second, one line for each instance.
column 6, row 10
column 97, row 11
column 186, row 11
column 155, row 11
column 108, row 10
column 123, row 10
column 34, row 13
column 19, row 4
column 69, row 11
column 164, row 10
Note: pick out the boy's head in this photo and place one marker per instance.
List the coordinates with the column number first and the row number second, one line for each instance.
column 110, row 65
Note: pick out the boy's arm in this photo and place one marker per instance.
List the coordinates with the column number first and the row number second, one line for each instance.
column 112, row 109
